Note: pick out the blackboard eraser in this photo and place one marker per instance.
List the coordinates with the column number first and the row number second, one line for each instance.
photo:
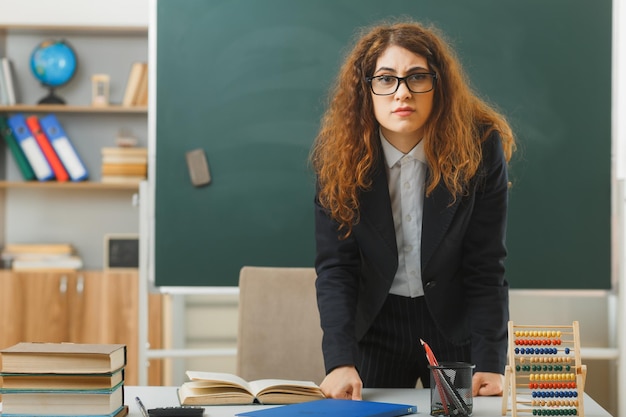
column 198, row 167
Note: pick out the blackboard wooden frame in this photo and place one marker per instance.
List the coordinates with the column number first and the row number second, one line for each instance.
column 546, row 65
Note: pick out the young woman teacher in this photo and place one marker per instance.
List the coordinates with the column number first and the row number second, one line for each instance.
column 410, row 216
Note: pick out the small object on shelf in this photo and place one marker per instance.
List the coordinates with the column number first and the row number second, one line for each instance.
column 121, row 250
column 125, row 139
column 53, row 63
column 100, row 90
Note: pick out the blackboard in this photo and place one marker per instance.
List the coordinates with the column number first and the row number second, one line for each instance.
column 246, row 81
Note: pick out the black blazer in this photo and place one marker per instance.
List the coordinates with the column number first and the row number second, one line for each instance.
column 463, row 254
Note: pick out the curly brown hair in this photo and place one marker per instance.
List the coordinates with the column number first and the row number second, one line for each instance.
column 347, row 146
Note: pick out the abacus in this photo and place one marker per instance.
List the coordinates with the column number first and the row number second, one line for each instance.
column 545, row 376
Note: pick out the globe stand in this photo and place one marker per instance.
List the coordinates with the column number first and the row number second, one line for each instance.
column 51, row 98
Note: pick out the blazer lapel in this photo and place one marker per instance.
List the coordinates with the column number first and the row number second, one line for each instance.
column 437, row 217
column 376, row 207
column 437, row 214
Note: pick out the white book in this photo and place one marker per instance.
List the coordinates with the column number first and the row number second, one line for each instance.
column 7, row 69
column 4, row 99
column 49, row 262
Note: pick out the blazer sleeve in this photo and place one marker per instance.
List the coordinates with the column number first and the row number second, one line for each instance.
column 463, row 270
column 484, row 250
column 337, row 265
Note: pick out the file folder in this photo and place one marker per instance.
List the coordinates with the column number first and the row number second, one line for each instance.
column 46, row 147
column 63, row 147
column 335, row 407
column 29, row 146
column 20, row 159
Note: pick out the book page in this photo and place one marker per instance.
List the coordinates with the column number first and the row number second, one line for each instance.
column 217, row 379
column 285, row 386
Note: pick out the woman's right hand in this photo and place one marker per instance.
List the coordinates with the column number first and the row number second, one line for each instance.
column 343, row 382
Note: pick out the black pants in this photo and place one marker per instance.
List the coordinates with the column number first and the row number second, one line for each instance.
column 391, row 355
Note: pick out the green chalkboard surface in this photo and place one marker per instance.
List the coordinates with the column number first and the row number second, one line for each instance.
column 246, row 81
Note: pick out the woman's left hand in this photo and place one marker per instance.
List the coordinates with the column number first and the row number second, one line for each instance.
column 487, row 383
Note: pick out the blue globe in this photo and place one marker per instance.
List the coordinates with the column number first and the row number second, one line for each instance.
column 53, row 63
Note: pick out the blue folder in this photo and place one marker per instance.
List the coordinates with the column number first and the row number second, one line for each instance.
column 63, row 147
column 334, row 407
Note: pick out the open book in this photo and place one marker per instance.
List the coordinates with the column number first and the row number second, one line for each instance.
column 208, row 388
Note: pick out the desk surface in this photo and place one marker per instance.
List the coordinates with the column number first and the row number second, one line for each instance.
column 483, row 406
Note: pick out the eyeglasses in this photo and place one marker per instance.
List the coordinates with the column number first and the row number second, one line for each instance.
column 385, row 85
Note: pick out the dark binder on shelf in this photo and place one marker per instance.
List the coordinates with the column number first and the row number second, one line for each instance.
column 335, row 407
column 29, row 146
column 60, row 173
column 18, row 155
column 63, row 147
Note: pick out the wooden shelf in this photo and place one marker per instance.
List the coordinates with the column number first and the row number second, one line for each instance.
column 83, row 185
column 62, row 108
column 78, row 29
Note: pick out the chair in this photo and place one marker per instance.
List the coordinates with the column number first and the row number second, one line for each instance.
column 279, row 334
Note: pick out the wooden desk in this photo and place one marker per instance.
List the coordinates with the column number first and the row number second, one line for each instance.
column 483, row 406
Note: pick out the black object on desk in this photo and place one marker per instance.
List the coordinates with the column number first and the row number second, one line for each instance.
column 170, row 411
column 176, row 412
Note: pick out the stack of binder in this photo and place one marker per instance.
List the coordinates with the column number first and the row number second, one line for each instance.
column 41, row 148
column 47, row 379
column 127, row 165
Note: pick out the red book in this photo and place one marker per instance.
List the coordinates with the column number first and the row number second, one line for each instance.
column 44, row 143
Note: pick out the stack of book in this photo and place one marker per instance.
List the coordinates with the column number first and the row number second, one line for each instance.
column 128, row 165
column 40, row 256
column 46, row 379
column 41, row 148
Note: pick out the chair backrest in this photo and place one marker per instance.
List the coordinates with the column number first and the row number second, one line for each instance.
column 279, row 334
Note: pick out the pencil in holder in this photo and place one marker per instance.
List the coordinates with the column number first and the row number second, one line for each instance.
column 451, row 389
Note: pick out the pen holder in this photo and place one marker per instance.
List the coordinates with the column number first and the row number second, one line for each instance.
column 451, row 389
